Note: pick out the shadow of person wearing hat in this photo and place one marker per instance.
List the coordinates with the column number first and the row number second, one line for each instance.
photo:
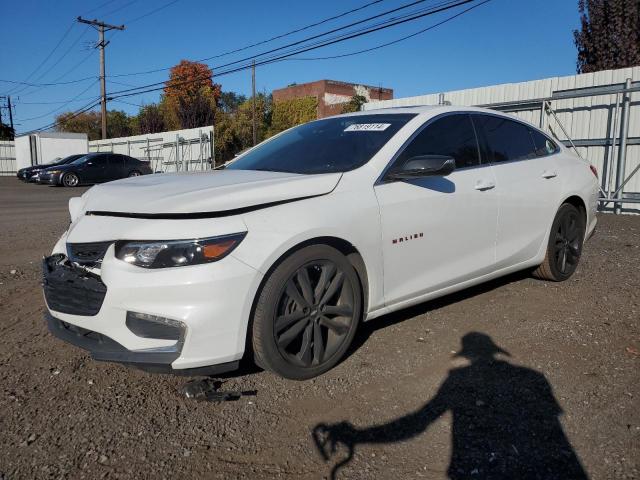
column 505, row 421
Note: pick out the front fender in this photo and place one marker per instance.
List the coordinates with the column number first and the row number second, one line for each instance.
column 347, row 216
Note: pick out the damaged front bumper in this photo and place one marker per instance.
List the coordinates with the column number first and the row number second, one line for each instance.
column 174, row 320
column 105, row 349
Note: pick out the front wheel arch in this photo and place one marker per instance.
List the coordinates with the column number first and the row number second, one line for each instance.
column 343, row 246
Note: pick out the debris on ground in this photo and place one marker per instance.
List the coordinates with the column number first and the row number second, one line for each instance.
column 207, row 389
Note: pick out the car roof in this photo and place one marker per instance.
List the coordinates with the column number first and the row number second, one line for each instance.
column 426, row 109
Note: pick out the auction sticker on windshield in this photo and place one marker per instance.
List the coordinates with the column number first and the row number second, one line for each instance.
column 367, row 127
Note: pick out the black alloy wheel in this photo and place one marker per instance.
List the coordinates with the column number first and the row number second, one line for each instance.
column 307, row 313
column 568, row 242
column 565, row 245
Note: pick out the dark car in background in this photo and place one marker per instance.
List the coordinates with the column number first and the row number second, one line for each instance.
column 30, row 174
column 95, row 168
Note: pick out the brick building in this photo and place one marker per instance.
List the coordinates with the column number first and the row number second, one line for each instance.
column 331, row 94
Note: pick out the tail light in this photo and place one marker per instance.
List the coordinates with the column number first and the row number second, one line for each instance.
column 594, row 170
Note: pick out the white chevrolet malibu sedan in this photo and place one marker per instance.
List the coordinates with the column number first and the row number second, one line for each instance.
column 279, row 257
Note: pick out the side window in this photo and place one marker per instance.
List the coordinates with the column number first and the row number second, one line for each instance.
column 100, row 160
column 544, row 146
column 507, row 140
column 452, row 135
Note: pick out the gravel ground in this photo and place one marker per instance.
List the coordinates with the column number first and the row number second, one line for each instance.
column 563, row 400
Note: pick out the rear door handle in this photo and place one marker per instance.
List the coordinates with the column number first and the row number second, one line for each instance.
column 549, row 174
column 483, row 185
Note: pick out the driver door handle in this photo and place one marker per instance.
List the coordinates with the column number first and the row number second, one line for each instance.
column 549, row 174
column 483, row 185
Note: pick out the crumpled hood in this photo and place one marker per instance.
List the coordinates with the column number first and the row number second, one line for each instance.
column 198, row 192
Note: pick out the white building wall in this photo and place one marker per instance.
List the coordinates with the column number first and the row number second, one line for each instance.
column 48, row 147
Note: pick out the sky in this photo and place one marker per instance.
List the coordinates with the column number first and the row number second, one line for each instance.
column 498, row 42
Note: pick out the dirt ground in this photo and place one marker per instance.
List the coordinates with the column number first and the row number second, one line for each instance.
column 564, row 401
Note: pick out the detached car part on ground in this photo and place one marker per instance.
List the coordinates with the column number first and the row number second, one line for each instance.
column 94, row 168
column 31, row 174
column 281, row 255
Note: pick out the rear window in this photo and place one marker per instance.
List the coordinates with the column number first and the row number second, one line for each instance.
column 335, row 144
column 544, row 145
column 507, row 140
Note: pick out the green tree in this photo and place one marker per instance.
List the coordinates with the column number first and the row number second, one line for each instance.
column 289, row 113
column 150, row 119
column 6, row 132
column 118, row 124
column 86, row 122
column 234, row 131
column 230, row 101
column 354, row 105
column 609, row 36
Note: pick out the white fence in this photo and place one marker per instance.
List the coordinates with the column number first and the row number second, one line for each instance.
column 585, row 111
column 7, row 158
column 175, row 151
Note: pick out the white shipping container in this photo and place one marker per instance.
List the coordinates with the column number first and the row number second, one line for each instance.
column 44, row 147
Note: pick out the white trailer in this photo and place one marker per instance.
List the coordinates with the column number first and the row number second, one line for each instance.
column 44, row 147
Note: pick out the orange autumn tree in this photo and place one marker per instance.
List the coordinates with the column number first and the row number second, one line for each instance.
column 190, row 96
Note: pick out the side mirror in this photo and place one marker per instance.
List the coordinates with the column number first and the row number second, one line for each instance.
column 424, row 166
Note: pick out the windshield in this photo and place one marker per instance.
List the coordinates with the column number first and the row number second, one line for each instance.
column 52, row 162
column 70, row 159
column 331, row 145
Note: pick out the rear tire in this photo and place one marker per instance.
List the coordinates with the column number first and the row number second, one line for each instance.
column 307, row 313
column 134, row 173
column 565, row 245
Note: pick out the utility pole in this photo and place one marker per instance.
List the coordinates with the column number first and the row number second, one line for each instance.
column 10, row 109
column 10, row 113
column 253, row 96
column 102, row 27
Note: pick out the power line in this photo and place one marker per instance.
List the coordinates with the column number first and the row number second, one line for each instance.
column 52, row 102
column 76, row 98
column 401, row 39
column 84, row 109
column 108, row 2
column 238, row 49
column 365, row 31
column 304, row 48
column 345, row 36
column 79, row 80
column 151, row 12
column 262, row 42
column 122, row 7
column 129, row 103
column 56, row 62
column 64, row 35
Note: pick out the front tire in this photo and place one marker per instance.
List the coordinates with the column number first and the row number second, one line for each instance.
column 70, row 180
column 565, row 245
column 307, row 313
column 134, row 173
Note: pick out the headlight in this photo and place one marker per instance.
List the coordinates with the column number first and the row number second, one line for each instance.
column 177, row 253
